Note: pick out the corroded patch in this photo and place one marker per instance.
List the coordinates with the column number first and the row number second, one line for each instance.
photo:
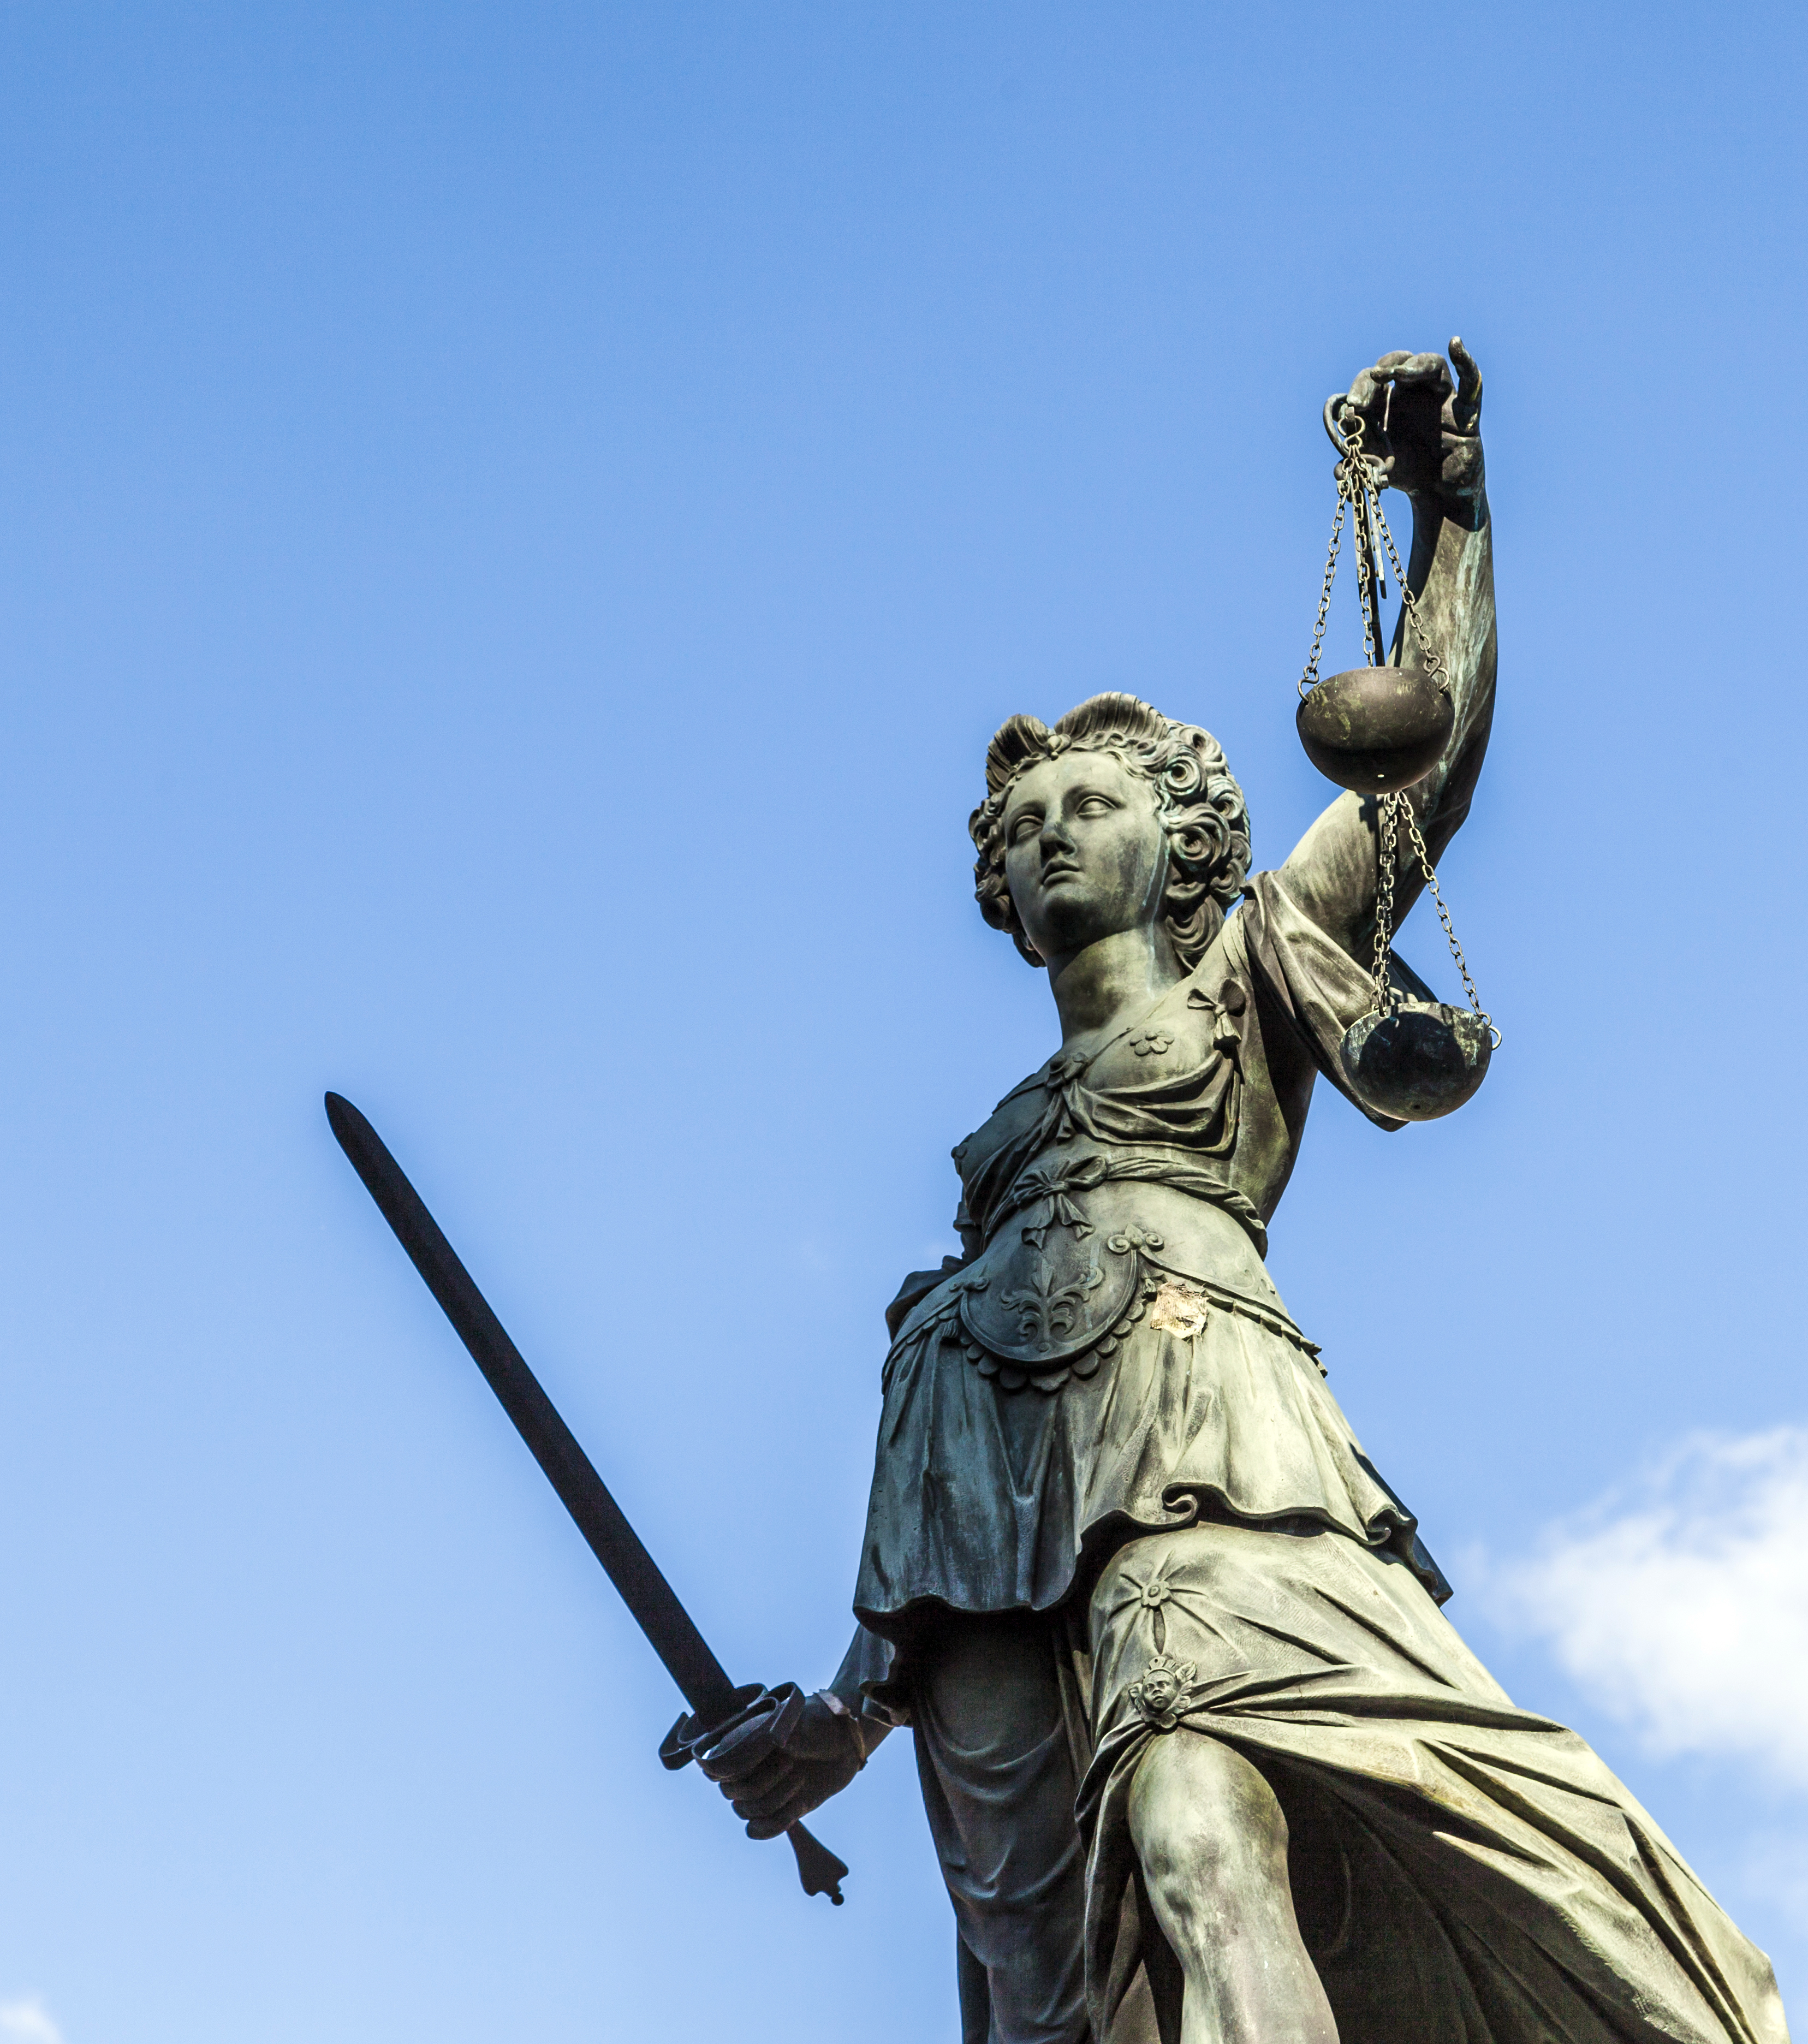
column 1176, row 1311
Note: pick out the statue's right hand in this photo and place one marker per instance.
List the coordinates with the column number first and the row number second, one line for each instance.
column 776, row 1767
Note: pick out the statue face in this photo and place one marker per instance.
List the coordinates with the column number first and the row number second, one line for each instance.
column 1085, row 855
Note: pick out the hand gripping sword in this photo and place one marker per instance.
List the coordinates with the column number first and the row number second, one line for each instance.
column 717, row 1707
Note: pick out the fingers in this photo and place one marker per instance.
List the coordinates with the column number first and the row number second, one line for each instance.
column 1417, row 419
column 779, row 1801
column 1466, row 407
column 741, row 1755
column 777, row 1772
column 1365, row 393
column 768, row 1823
column 1367, row 396
column 1405, row 372
column 1421, row 372
column 773, row 1828
column 772, row 1809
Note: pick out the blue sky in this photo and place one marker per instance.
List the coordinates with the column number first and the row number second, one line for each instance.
column 518, row 523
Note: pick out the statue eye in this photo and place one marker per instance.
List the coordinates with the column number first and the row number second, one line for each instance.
column 1096, row 806
column 1024, row 826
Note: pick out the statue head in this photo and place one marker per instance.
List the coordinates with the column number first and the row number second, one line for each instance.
column 1116, row 818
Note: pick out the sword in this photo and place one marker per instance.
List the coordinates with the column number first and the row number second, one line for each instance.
column 717, row 1706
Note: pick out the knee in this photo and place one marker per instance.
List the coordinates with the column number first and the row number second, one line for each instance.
column 1205, row 1821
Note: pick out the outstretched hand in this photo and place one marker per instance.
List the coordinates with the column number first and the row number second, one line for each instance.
column 777, row 1767
column 1425, row 428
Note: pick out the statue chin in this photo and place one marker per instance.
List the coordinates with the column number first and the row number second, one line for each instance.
column 1075, row 921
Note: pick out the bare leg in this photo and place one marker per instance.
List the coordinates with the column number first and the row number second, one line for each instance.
column 1212, row 1844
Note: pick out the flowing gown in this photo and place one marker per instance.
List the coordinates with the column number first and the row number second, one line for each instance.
column 1107, row 1418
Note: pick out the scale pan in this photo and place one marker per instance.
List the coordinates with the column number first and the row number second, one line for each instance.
column 1376, row 729
column 1423, row 1060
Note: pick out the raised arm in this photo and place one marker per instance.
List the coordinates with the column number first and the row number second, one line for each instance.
column 1427, row 433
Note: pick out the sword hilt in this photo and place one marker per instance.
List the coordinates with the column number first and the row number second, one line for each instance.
column 818, row 1869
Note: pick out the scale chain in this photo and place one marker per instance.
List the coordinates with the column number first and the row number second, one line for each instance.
column 1366, row 594
column 1387, row 999
column 1309, row 679
column 1433, row 659
column 1359, row 485
column 1353, row 477
column 1424, row 858
column 1359, row 490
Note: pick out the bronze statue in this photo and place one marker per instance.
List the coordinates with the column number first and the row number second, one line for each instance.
column 1202, row 1757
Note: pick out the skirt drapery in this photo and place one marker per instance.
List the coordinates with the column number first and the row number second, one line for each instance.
column 990, row 1501
column 1464, row 1872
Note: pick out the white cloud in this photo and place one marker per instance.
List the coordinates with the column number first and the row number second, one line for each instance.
column 1680, row 1606
column 27, row 2021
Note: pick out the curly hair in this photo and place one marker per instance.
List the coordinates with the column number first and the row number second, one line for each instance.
column 1200, row 806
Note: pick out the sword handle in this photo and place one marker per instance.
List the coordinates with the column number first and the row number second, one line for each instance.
column 818, row 1869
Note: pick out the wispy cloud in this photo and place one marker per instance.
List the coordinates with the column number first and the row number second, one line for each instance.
column 1680, row 1605
column 27, row 2021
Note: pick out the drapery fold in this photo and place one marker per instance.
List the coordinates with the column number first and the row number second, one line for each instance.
column 1467, row 1872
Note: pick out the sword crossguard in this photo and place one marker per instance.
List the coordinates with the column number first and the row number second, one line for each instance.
column 772, row 1713
column 738, row 1712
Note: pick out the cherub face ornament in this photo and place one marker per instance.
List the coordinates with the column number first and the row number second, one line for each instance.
column 1161, row 1691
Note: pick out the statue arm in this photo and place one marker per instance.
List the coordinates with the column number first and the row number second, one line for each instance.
column 1434, row 452
column 867, row 1660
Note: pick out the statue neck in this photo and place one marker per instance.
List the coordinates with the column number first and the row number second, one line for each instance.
column 1111, row 983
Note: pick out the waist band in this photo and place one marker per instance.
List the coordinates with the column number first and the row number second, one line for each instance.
column 1049, row 1186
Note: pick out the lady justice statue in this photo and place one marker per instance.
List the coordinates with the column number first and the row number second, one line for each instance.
column 1202, row 1758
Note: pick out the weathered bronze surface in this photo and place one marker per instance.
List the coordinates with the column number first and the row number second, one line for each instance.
column 1422, row 1061
column 1376, row 729
column 1202, row 1758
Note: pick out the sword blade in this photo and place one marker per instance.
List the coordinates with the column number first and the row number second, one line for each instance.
column 650, row 1598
